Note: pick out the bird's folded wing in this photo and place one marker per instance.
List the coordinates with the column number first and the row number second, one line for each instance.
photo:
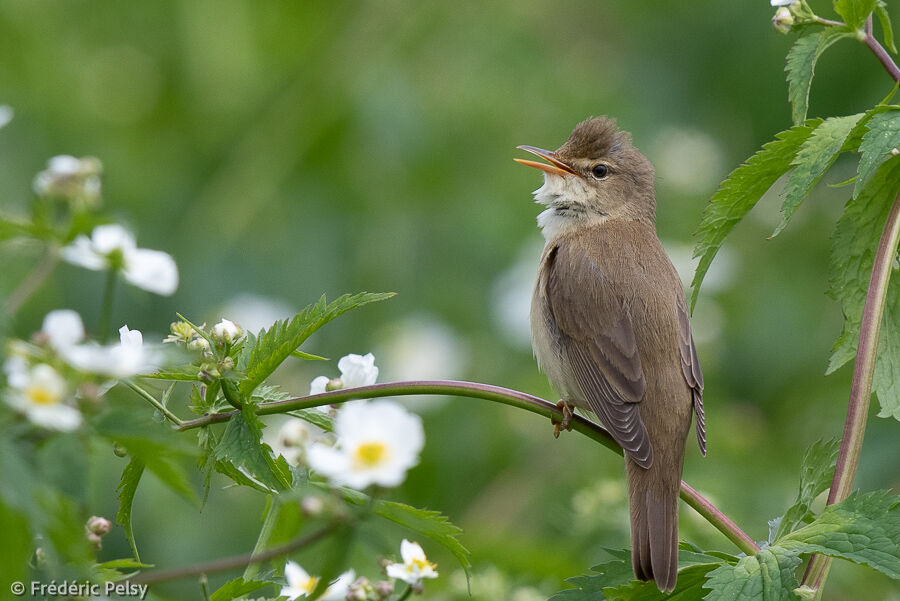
column 690, row 366
column 596, row 335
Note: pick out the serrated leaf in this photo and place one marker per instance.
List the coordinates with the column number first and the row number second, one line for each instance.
column 184, row 373
column 241, row 447
column 883, row 135
column 691, row 585
column 766, row 576
column 314, row 417
column 432, row 524
column 237, row 588
column 887, row 29
column 801, row 65
column 615, row 579
column 267, row 350
column 864, row 529
column 854, row 12
column 815, row 156
column 308, row 356
column 740, row 192
column 131, row 477
column 853, row 252
column 816, row 472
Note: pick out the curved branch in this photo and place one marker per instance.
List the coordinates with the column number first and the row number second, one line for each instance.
column 496, row 394
column 861, row 388
column 886, row 61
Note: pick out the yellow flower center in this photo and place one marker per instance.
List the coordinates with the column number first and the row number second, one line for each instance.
column 310, row 585
column 370, row 454
column 41, row 396
column 421, row 564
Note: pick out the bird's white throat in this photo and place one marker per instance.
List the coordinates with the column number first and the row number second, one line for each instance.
column 556, row 189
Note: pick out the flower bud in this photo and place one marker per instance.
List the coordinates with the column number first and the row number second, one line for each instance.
column 98, row 525
column 384, row 589
column 360, row 590
column 783, row 20
column 226, row 364
column 40, row 557
column 199, row 344
column 334, row 384
column 312, row 505
column 95, row 541
column 227, row 331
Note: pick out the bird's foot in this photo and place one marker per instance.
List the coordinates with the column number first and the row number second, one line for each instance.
column 566, row 423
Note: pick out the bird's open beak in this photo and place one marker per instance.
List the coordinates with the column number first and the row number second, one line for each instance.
column 556, row 166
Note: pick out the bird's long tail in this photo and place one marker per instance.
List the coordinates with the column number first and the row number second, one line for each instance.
column 653, row 504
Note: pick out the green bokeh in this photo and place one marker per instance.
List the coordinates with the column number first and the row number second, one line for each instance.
column 289, row 149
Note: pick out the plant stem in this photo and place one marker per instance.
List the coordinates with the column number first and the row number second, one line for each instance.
column 235, row 561
column 861, row 388
column 886, row 61
column 109, row 293
column 406, row 593
column 270, row 516
column 33, row 280
column 152, row 400
column 496, row 394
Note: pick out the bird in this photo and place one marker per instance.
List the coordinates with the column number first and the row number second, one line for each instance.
column 611, row 329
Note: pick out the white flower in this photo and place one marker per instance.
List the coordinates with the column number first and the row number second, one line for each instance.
column 63, row 328
column 317, row 386
column 358, row 370
column 293, row 437
column 299, row 582
column 415, row 566
column 38, row 392
column 337, row 590
column 781, row 2
column 127, row 358
column 377, row 443
column 67, row 176
column 112, row 246
column 6, row 114
column 227, row 331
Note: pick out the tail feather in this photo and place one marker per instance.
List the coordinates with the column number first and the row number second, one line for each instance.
column 654, row 527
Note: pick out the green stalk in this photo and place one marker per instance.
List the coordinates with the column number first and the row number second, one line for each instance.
column 861, row 388
column 496, row 394
column 152, row 400
column 270, row 516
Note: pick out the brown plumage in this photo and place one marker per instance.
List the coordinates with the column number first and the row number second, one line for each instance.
column 610, row 325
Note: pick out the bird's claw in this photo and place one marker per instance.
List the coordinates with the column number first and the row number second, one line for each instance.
column 566, row 422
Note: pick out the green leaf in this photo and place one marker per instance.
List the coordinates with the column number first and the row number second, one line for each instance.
column 315, row 417
column 237, row 588
column 429, row 523
column 766, row 576
column 816, row 472
column 267, row 350
column 691, row 585
column 615, row 579
column 241, row 447
column 131, row 477
column 740, row 192
column 308, row 356
column 882, row 137
column 813, row 159
column 886, row 380
column 853, row 247
column 885, row 19
column 864, row 529
column 854, row 12
column 801, row 64
column 183, row 373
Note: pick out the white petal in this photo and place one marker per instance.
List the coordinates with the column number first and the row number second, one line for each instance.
column 152, row 270
column 46, row 377
column 411, row 550
column 782, row 2
column 90, row 358
column 6, row 114
column 327, row 461
column 337, row 590
column 358, row 370
column 130, row 337
column 16, row 369
column 63, row 327
column 317, row 386
column 64, row 164
column 295, row 575
column 399, row 571
column 107, row 238
column 54, row 417
column 82, row 253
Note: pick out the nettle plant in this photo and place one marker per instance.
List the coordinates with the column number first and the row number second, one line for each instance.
column 338, row 452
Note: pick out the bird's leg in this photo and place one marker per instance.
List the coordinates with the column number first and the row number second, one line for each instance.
column 568, row 412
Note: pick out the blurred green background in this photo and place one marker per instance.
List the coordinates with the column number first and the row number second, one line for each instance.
column 279, row 150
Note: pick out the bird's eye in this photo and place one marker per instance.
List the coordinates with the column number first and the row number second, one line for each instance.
column 600, row 171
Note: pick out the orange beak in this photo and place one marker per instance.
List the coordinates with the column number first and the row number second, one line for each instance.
column 556, row 166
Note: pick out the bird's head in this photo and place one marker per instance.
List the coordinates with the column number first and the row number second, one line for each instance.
column 596, row 175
